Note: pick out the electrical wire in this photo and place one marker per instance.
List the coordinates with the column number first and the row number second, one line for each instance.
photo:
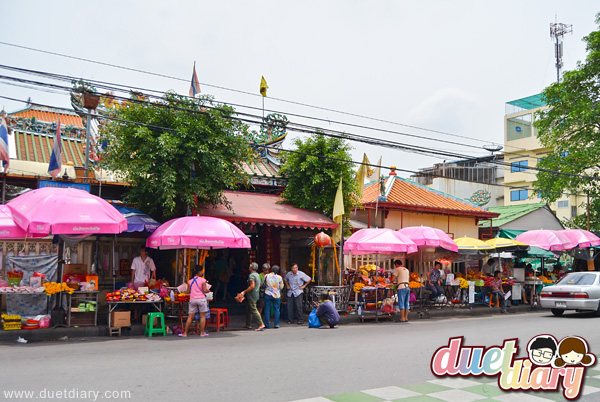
column 253, row 94
column 433, row 175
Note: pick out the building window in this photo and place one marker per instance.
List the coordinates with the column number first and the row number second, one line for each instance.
column 518, row 195
column 519, row 166
column 563, row 204
column 573, row 211
column 518, row 127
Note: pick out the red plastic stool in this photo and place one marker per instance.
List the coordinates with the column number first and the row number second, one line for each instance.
column 219, row 317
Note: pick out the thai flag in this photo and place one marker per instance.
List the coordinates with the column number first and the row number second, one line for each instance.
column 55, row 165
column 195, row 85
column 4, row 156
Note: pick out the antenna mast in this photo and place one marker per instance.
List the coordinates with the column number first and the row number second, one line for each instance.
column 557, row 32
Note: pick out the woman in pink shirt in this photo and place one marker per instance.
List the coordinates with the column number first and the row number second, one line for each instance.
column 197, row 288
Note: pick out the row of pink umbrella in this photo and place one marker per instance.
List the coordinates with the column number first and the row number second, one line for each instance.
column 559, row 240
column 406, row 240
column 66, row 211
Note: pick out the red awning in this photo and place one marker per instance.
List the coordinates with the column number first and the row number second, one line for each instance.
column 264, row 209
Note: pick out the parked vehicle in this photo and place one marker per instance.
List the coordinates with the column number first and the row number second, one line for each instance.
column 578, row 291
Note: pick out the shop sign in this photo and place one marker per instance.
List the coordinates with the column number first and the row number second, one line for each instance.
column 60, row 184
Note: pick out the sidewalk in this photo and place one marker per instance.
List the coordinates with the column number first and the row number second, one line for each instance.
column 237, row 322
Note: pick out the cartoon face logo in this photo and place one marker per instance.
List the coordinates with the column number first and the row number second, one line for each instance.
column 542, row 349
column 573, row 351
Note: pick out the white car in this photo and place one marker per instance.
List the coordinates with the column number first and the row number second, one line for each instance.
column 578, row 291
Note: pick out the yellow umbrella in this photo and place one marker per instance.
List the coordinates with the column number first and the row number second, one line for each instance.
column 500, row 242
column 471, row 244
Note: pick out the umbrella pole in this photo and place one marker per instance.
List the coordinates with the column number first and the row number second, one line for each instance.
column 176, row 265
column 114, row 262
column 376, row 290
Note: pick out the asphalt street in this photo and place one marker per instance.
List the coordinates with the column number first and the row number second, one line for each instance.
column 286, row 364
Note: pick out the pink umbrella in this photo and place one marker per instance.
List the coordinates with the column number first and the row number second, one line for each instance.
column 9, row 229
column 551, row 240
column 429, row 237
column 583, row 238
column 379, row 241
column 202, row 232
column 67, row 211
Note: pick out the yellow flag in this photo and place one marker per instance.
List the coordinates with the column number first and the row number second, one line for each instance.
column 375, row 173
column 263, row 86
column 338, row 212
column 361, row 174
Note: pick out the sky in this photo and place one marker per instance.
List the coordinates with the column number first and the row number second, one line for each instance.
column 434, row 74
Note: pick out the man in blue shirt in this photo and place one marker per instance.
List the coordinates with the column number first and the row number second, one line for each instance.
column 326, row 311
column 295, row 281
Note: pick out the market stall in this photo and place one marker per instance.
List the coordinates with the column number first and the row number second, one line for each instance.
column 376, row 284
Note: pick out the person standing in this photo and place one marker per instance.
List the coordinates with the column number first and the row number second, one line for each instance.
column 400, row 277
column 434, row 281
column 142, row 267
column 498, row 290
column 295, row 281
column 260, row 304
column 251, row 294
column 223, row 275
column 489, row 268
column 273, row 287
column 197, row 288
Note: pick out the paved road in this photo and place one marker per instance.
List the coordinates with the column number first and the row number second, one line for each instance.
column 286, row 364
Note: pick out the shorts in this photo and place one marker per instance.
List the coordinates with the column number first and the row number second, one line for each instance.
column 403, row 299
column 198, row 306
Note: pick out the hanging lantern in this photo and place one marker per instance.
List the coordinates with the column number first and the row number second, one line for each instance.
column 322, row 239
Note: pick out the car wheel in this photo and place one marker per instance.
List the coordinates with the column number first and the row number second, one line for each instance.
column 557, row 312
column 598, row 311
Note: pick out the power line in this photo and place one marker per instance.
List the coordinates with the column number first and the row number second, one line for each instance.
column 111, row 86
column 245, row 92
column 118, row 120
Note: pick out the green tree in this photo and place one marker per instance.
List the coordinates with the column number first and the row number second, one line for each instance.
column 174, row 150
column 314, row 174
column 570, row 126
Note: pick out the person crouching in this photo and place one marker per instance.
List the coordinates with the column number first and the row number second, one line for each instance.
column 326, row 311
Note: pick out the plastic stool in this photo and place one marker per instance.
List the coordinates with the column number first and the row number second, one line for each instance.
column 150, row 325
column 219, row 317
column 497, row 300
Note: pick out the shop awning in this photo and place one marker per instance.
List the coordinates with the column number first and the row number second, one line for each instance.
column 265, row 209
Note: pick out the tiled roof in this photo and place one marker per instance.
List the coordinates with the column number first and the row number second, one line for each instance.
column 404, row 194
column 509, row 213
column 262, row 168
column 35, row 147
column 51, row 116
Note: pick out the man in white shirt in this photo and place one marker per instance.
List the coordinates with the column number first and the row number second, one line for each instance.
column 142, row 268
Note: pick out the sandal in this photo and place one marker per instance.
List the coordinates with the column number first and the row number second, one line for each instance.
column 260, row 329
column 204, row 335
column 247, row 327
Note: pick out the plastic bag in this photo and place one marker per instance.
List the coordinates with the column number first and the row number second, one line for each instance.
column 412, row 298
column 313, row 320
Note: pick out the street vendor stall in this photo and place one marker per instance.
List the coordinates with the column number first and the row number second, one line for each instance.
column 376, row 242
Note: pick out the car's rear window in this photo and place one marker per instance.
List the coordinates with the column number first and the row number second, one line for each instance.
column 579, row 278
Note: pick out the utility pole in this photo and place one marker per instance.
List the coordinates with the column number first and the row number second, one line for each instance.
column 557, row 32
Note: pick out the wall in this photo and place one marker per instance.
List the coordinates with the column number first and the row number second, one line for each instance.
column 455, row 226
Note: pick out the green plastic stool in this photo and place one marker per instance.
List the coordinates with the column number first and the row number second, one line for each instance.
column 150, row 325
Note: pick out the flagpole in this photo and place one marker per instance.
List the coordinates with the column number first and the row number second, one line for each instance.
column 263, row 103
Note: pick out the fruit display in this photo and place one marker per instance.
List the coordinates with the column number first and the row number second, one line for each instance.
column 131, row 295
column 53, row 288
column 11, row 321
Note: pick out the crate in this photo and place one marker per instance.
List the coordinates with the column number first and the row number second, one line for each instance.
column 83, row 319
column 11, row 325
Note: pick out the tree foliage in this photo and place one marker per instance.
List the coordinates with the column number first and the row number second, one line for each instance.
column 571, row 126
column 312, row 180
column 175, row 149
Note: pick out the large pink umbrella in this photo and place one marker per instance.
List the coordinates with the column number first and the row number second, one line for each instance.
column 378, row 241
column 582, row 238
column 429, row 237
column 66, row 211
column 551, row 240
column 202, row 232
column 9, row 229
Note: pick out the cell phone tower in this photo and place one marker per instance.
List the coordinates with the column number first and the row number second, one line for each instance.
column 557, row 32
